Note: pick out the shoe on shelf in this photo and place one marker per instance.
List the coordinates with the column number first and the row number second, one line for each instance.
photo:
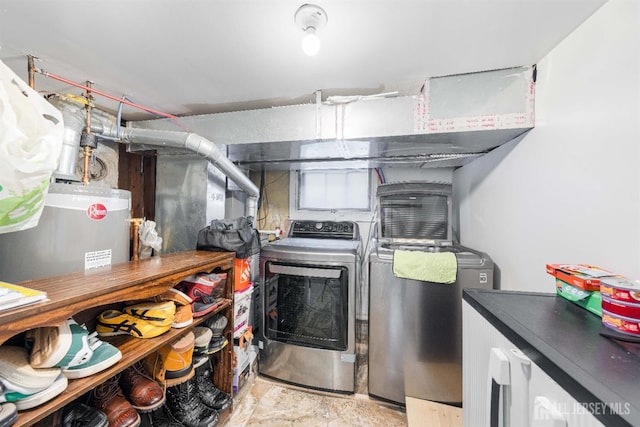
column 200, row 289
column 203, row 336
column 159, row 313
column 8, row 414
column 81, row 415
column 183, row 317
column 213, row 283
column 207, row 287
column 173, row 361
column 143, row 392
column 217, row 324
column 175, row 295
column 186, row 406
column 108, row 398
column 200, row 308
column 16, row 374
column 206, row 343
column 210, row 395
column 62, row 346
column 104, row 356
column 216, row 344
column 159, row 417
column 113, row 322
column 36, row 399
column 177, row 357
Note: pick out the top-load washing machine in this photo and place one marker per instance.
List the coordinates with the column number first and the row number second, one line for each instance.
column 415, row 326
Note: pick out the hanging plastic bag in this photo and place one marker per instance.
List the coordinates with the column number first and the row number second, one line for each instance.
column 31, row 132
column 149, row 239
column 236, row 235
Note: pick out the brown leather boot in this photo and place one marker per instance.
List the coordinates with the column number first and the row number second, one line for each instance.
column 108, row 398
column 144, row 393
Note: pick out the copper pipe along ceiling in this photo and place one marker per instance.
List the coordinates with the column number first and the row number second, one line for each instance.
column 114, row 98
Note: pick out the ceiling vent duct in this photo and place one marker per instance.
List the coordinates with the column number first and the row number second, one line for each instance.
column 103, row 124
column 454, row 120
column 193, row 143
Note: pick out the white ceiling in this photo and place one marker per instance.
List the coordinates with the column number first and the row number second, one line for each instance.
column 191, row 57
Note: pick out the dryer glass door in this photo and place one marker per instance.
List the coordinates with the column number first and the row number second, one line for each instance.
column 307, row 305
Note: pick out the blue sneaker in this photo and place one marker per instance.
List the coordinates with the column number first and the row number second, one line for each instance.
column 104, row 355
column 64, row 346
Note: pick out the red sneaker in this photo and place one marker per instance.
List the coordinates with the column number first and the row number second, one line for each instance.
column 201, row 288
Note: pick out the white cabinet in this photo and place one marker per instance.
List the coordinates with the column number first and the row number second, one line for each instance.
column 503, row 387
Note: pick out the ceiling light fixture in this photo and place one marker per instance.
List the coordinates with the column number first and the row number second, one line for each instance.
column 311, row 19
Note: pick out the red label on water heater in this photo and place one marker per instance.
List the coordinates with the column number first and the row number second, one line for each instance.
column 97, row 211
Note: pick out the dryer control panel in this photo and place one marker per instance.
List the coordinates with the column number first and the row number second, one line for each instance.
column 345, row 230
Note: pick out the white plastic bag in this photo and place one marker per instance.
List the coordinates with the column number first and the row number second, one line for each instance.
column 149, row 239
column 31, row 132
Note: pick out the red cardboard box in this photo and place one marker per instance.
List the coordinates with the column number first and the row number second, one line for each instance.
column 583, row 276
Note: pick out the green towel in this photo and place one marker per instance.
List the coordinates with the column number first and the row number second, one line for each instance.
column 438, row 267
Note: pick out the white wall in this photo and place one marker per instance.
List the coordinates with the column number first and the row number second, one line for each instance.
column 569, row 191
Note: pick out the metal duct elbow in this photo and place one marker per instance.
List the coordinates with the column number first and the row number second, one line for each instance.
column 74, row 119
column 202, row 147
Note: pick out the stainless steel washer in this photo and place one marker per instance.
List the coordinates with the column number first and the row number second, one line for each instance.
column 306, row 333
column 415, row 339
column 415, row 327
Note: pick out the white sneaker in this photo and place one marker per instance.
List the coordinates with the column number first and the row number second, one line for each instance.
column 58, row 386
column 18, row 374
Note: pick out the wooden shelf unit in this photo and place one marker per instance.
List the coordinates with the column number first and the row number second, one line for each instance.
column 74, row 293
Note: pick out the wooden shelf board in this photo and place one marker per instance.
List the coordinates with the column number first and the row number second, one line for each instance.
column 72, row 293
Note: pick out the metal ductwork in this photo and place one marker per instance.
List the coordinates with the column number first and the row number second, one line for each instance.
column 452, row 122
column 74, row 116
column 194, row 143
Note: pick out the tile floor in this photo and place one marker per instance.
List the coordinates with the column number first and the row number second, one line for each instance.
column 263, row 402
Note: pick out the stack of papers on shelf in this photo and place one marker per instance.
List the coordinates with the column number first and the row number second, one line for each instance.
column 15, row 295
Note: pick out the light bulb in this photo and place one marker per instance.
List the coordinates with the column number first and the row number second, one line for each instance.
column 310, row 42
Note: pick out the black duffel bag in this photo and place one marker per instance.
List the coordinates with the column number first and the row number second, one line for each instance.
column 234, row 235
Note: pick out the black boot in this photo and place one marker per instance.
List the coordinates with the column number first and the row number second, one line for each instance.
column 186, row 406
column 209, row 393
column 160, row 417
column 78, row 414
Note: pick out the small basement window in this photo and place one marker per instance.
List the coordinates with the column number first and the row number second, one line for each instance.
column 334, row 190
